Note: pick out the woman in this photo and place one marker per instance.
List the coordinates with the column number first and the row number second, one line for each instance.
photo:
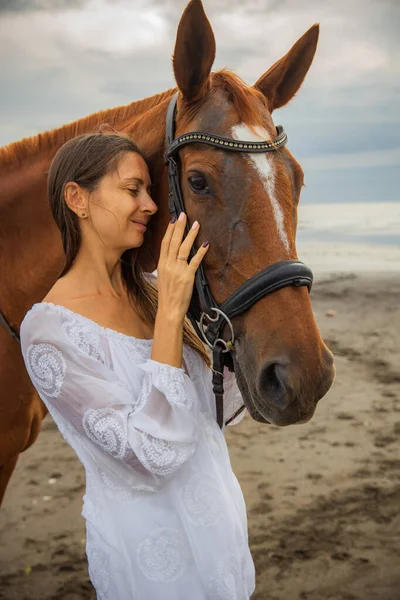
column 129, row 385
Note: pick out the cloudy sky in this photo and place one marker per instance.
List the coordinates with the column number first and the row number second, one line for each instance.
column 63, row 59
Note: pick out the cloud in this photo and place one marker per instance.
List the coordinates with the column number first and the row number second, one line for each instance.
column 96, row 25
column 8, row 6
column 256, row 32
column 64, row 59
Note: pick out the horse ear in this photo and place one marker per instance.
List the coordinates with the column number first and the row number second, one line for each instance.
column 194, row 52
column 280, row 83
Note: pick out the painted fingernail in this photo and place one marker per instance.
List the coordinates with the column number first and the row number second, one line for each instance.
column 173, row 220
column 181, row 216
column 195, row 225
column 205, row 244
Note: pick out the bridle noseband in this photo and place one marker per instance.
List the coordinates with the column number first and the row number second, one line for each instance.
column 207, row 317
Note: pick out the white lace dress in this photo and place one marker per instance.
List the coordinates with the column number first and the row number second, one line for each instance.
column 165, row 515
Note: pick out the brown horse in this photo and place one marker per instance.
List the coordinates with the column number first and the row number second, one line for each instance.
column 246, row 204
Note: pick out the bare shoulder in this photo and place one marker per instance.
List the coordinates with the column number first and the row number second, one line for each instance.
column 62, row 292
column 66, row 293
column 111, row 313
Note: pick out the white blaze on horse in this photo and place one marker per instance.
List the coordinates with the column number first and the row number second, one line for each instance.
column 246, row 204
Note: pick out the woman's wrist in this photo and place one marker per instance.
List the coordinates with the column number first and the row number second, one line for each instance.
column 167, row 344
column 170, row 317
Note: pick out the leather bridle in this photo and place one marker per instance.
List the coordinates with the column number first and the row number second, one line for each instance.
column 207, row 317
column 8, row 328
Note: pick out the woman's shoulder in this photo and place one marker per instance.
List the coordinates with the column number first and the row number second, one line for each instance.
column 60, row 296
column 59, row 309
column 109, row 315
column 54, row 308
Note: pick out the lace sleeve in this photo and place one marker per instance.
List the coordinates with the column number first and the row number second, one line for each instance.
column 155, row 427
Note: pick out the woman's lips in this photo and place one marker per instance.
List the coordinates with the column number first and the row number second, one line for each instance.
column 140, row 225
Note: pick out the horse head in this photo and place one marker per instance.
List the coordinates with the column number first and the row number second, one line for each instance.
column 247, row 207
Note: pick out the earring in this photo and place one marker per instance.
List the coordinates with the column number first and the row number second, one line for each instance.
column 83, row 214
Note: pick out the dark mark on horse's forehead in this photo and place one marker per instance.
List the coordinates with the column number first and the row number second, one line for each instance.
column 212, row 116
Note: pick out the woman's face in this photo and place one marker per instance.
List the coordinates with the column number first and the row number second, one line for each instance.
column 121, row 204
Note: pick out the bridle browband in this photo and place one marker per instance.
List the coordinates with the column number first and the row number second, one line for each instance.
column 207, row 317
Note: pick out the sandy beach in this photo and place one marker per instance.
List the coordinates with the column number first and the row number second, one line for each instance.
column 322, row 498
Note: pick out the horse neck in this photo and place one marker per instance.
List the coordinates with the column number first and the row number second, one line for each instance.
column 148, row 131
column 30, row 245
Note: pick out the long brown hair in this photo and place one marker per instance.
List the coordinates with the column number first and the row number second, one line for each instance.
column 85, row 160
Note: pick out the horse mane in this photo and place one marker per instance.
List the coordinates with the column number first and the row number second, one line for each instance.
column 17, row 151
column 245, row 98
column 238, row 91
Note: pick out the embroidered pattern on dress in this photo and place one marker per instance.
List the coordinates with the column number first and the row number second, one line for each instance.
column 106, row 427
column 202, row 500
column 90, row 508
column 145, row 390
column 162, row 457
column 138, row 349
column 69, row 433
column 227, row 581
column 98, row 566
column 164, row 555
column 83, row 337
column 127, row 493
column 48, row 368
column 173, row 386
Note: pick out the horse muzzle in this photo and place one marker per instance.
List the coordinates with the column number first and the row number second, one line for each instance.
column 285, row 394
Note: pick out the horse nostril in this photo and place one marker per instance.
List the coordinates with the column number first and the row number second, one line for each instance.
column 328, row 357
column 273, row 383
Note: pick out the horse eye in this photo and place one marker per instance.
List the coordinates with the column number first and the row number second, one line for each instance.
column 198, row 184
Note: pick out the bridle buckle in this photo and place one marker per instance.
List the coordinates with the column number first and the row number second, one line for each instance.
column 228, row 345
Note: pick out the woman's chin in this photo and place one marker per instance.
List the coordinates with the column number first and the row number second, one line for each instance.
column 134, row 241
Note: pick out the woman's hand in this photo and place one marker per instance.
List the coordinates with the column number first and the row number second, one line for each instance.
column 175, row 276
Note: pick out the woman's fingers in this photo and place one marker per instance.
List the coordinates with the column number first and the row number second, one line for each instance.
column 165, row 242
column 177, row 235
column 186, row 245
column 172, row 245
column 198, row 257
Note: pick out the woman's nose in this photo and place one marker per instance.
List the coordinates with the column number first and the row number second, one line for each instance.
column 150, row 205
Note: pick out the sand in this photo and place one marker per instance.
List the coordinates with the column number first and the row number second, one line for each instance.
column 323, row 498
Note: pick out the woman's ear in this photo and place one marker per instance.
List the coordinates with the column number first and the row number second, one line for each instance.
column 75, row 198
column 194, row 52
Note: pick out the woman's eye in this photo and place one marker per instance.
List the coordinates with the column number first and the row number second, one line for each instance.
column 134, row 192
column 198, row 184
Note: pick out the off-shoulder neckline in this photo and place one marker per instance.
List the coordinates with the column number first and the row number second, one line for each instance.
column 107, row 330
